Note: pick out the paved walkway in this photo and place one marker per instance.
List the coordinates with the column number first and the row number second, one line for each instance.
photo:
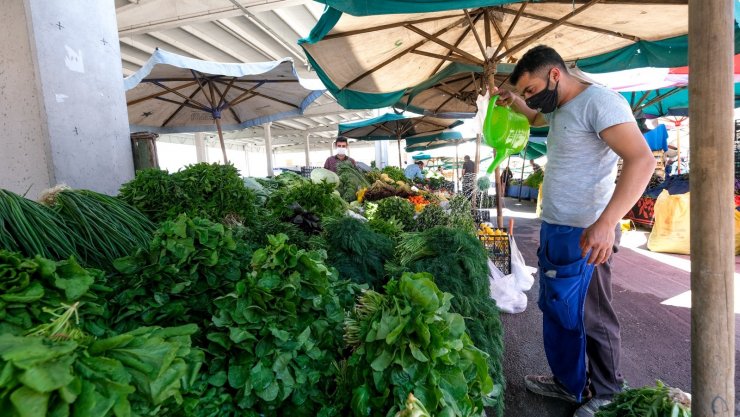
column 651, row 299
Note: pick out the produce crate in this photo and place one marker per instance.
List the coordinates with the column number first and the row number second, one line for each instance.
column 499, row 249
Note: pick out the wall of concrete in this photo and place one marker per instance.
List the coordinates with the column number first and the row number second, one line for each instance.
column 78, row 62
column 62, row 98
column 24, row 153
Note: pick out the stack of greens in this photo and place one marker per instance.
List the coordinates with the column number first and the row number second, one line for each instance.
column 657, row 401
column 351, row 180
column 406, row 341
column 275, row 340
column 396, row 208
column 357, row 252
column 211, row 191
column 460, row 266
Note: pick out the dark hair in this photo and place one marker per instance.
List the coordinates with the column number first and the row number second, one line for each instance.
column 466, row 157
column 538, row 58
column 419, row 162
column 341, row 139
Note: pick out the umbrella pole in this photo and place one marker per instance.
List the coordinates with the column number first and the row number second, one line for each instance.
column 457, row 169
column 221, row 139
column 399, row 153
column 678, row 147
column 499, row 196
column 521, row 183
column 475, row 169
column 712, row 211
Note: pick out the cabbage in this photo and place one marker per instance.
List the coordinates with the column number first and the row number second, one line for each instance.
column 322, row 174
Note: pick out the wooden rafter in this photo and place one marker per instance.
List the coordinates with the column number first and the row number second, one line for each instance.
column 223, row 103
column 384, row 27
column 182, row 105
column 457, row 43
column 183, row 96
column 401, row 53
column 544, row 31
column 447, row 45
column 624, row 2
column 161, row 93
column 443, row 58
column 574, row 25
column 475, row 34
column 508, row 33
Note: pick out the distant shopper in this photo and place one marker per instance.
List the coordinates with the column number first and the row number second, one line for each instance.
column 414, row 171
column 468, row 176
column 339, row 156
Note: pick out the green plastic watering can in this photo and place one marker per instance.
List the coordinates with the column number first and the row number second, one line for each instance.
column 504, row 130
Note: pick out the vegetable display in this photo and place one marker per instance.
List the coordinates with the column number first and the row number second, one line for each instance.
column 396, row 208
column 407, row 340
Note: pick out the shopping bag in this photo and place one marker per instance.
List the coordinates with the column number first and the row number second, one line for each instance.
column 671, row 231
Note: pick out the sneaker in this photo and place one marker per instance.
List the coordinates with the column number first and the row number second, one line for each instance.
column 548, row 386
column 591, row 407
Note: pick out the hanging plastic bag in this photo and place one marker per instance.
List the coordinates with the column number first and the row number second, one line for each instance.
column 671, row 231
column 504, row 289
column 523, row 274
column 504, row 130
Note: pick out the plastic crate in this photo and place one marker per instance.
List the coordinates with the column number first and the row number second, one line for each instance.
column 499, row 249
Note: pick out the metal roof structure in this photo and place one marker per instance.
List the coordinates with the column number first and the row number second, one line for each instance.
column 235, row 31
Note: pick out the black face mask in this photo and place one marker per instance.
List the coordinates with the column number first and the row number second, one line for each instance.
column 546, row 100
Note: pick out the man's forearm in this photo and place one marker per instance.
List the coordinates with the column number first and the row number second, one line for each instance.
column 630, row 187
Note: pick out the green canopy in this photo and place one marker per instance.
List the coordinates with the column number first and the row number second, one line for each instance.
column 666, row 101
column 391, row 126
column 536, row 148
column 371, row 61
column 435, row 141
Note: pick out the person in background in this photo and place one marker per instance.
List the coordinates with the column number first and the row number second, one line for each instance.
column 591, row 127
column 413, row 171
column 468, row 177
column 340, row 155
column 535, row 166
column 506, row 177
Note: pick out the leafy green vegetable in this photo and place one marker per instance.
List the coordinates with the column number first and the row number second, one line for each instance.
column 275, row 339
column 314, row 198
column 407, row 341
column 351, row 180
column 395, row 173
column 210, row 191
column 396, row 208
column 433, row 215
column 105, row 228
column 657, row 401
column 459, row 264
column 357, row 251
column 31, row 288
column 320, row 175
column 460, row 216
column 188, row 263
column 535, row 179
column 33, row 229
column 390, row 228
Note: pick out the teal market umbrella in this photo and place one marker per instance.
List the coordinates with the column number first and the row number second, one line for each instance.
column 393, row 126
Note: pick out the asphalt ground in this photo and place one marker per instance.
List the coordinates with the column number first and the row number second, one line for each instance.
column 650, row 296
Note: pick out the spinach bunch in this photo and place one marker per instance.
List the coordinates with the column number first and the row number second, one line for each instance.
column 407, row 341
column 351, row 180
column 276, row 339
column 131, row 374
column 188, row 263
column 29, row 287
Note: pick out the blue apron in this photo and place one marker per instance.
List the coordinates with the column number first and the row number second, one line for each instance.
column 561, row 300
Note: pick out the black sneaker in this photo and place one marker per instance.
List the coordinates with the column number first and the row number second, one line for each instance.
column 548, row 386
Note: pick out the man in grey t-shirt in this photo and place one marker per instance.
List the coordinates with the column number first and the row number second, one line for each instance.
column 590, row 128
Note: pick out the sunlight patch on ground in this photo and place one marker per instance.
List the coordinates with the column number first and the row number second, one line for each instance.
column 518, row 214
column 635, row 241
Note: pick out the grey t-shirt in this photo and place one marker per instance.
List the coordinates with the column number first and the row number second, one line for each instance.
column 581, row 168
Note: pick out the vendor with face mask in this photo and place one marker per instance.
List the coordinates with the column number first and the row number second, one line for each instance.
column 340, row 155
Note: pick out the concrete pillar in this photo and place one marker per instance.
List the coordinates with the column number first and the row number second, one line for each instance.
column 307, row 137
column 381, row 154
column 246, row 159
column 268, row 148
column 61, row 96
column 201, row 148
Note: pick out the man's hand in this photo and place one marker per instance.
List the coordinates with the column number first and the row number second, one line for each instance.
column 505, row 98
column 599, row 239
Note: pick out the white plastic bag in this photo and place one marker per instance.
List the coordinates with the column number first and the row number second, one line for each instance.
column 480, row 116
column 504, row 289
column 520, row 270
